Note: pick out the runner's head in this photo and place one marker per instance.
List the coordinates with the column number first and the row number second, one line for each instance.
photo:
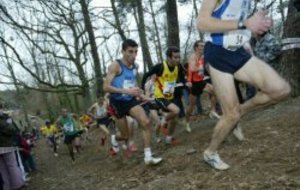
column 64, row 112
column 173, row 56
column 47, row 123
column 101, row 100
column 129, row 51
column 198, row 45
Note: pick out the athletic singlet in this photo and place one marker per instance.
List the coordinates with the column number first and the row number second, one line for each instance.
column 126, row 79
column 165, row 84
column 68, row 125
column 48, row 132
column 231, row 10
column 101, row 110
column 196, row 76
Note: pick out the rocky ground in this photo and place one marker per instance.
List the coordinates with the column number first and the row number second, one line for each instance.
column 268, row 159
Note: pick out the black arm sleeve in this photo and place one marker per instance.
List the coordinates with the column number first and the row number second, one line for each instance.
column 181, row 74
column 157, row 69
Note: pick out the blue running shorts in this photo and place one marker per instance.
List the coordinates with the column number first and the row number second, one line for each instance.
column 225, row 60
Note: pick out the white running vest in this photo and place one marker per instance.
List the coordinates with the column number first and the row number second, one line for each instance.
column 231, row 10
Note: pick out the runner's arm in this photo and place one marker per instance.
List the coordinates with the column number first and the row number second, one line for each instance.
column 207, row 23
column 157, row 69
column 113, row 70
column 192, row 63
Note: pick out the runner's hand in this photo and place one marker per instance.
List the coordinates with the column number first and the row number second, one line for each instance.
column 135, row 91
column 259, row 22
column 188, row 84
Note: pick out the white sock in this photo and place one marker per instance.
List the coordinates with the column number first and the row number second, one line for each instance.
column 168, row 138
column 114, row 141
column 163, row 120
column 148, row 153
column 124, row 146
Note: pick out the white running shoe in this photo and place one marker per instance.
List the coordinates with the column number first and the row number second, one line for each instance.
column 214, row 160
column 213, row 114
column 55, row 154
column 238, row 133
column 188, row 128
column 158, row 140
column 152, row 160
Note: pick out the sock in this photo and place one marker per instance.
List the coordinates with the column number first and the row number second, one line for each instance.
column 168, row 138
column 163, row 120
column 124, row 146
column 114, row 141
column 148, row 153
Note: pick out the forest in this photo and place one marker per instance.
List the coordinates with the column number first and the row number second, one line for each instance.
column 55, row 53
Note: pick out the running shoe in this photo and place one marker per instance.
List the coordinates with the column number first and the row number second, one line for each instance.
column 152, row 160
column 158, row 140
column 213, row 114
column 113, row 151
column 238, row 133
column 214, row 160
column 187, row 127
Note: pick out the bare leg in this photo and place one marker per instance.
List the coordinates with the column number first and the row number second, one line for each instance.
column 139, row 114
column 174, row 111
column 191, row 106
column 123, row 128
column 229, row 102
column 272, row 87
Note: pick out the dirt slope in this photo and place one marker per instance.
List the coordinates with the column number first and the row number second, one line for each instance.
column 268, row 159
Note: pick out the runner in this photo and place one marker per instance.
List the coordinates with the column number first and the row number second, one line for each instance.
column 99, row 112
column 124, row 95
column 68, row 124
column 49, row 131
column 154, row 115
column 167, row 75
column 196, row 76
column 228, row 29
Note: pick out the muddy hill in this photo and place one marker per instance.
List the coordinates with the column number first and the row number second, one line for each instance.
column 268, row 159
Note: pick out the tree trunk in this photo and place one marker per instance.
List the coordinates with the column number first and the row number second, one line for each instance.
column 290, row 61
column 142, row 34
column 173, row 26
column 157, row 43
column 117, row 20
column 92, row 39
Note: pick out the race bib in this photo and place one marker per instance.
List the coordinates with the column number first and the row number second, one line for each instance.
column 69, row 127
column 128, row 84
column 236, row 39
column 169, row 87
column 101, row 112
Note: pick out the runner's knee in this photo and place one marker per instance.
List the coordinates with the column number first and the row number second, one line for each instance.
column 145, row 123
column 233, row 115
column 281, row 92
column 176, row 111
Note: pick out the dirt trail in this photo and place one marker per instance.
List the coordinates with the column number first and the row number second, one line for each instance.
column 268, row 159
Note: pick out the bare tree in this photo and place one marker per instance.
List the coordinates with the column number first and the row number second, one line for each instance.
column 172, row 22
column 139, row 17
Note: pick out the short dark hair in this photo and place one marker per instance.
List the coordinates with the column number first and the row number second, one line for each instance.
column 129, row 43
column 171, row 50
column 196, row 44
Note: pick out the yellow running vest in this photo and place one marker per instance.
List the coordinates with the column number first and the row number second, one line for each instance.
column 165, row 84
